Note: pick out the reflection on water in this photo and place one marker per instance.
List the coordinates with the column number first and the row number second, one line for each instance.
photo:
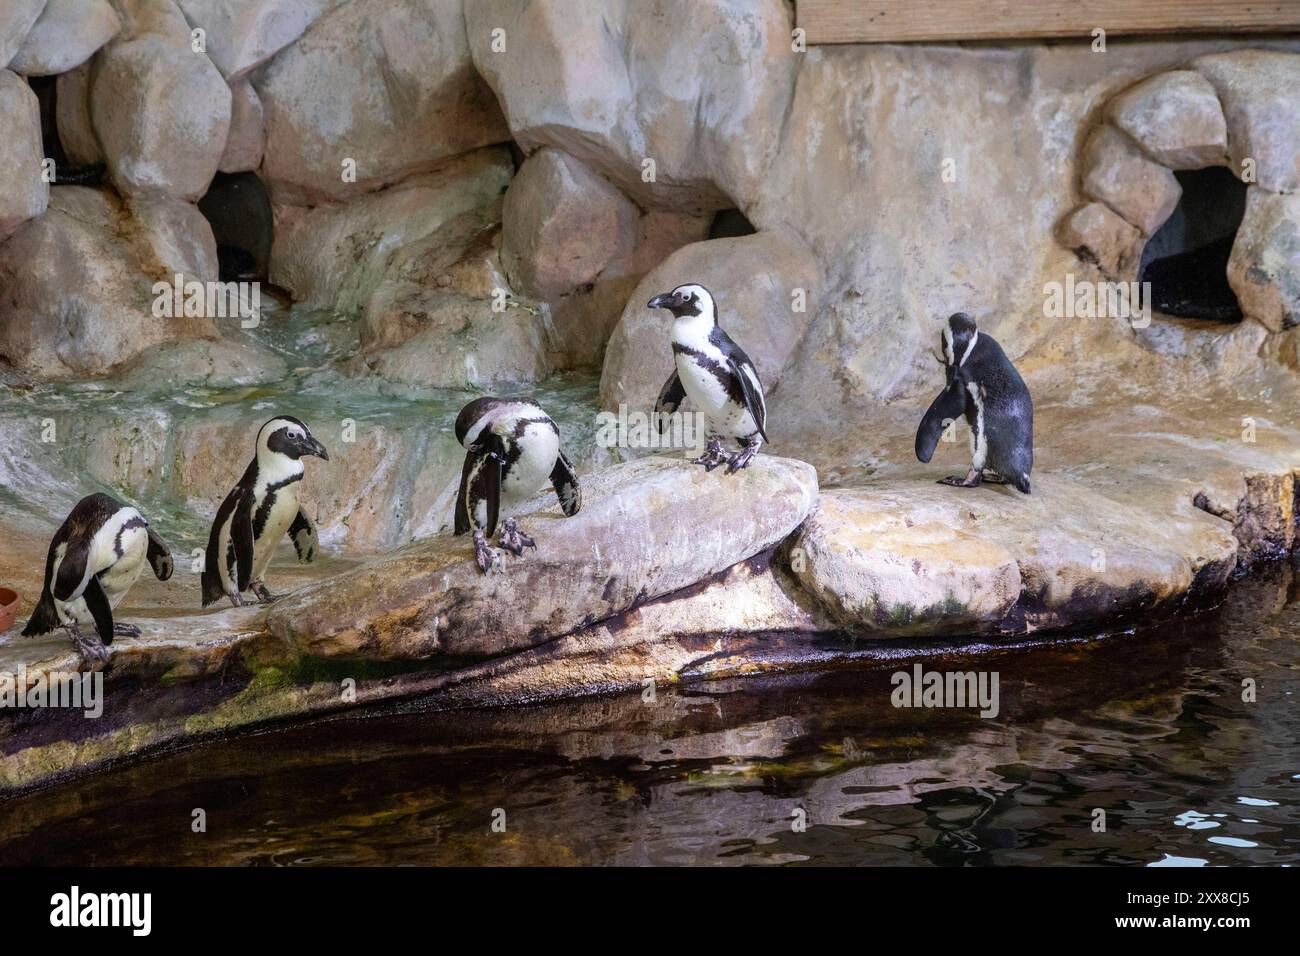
column 1149, row 727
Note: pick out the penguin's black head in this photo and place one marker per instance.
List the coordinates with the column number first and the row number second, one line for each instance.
column 959, row 336
column 689, row 299
column 288, row 436
column 472, row 413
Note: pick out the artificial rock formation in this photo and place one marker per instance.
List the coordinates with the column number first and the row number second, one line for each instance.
column 23, row 192
column 78, row 280
column 162, row 114
column 614, row 99
column 66, row 34
column 374, row 92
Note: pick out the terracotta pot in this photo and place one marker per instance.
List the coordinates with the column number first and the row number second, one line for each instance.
column 8, row 608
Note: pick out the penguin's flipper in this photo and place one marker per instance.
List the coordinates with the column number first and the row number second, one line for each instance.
column 753, row 398
column 160, row 556
column 670, row 399
column 241, row 536
column 305, row 539
column 566, row 485
column 947, row 408
column 97, row 603
column 480, row 484
column 72, row 577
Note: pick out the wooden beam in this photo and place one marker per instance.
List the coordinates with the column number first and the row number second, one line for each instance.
column 912, row 21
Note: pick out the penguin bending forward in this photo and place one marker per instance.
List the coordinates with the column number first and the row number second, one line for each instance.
column 94, row 558
column 512, row 449
column 258, row 511
column 716, row 374
column 984, row 386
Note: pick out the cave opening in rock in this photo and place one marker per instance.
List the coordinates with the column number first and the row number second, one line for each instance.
column 46, row 90
column 238, row 208
column 728, row 223
column 1186, row 261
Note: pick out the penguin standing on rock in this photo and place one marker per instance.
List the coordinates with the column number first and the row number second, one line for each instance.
column 94, row 558
column 984, row 386
column 512, row 449
column 258, row 511
column 717, row 376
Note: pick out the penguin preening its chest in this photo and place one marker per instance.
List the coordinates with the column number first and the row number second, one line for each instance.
column 94, row 558
column 261, row 509
column 717, row 376
column 512, row 449
column 984, row 386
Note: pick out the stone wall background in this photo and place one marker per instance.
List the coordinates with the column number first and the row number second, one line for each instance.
column 502, row 144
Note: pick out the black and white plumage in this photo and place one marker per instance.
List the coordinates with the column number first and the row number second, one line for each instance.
column 717, row 376
column 258, row 511
column 512, row 450
column 94, row 558
column 984, row 386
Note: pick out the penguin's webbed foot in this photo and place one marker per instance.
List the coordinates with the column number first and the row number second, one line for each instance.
column 126, row 630
column 485, row 556
column 514, row 540
column 971, row 480
column 743, row 457
column 236, row 599
column 713, row 455
column 993, row 478
column 91, row 649
column 264, row 596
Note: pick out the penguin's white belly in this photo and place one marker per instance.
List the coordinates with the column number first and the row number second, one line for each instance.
column 116, row 573
column 711, row 398
column 283, row 510
column 539, row 446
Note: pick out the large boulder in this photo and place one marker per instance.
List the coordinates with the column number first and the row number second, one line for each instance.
column 1176, row 118
column 385, row 84
column 637, row 537
column 340, row 256
column 562, row 224
column 1116, row 173
column 78, row 281
column 16, row 19
column 23, row 191
column 1259, row 90
column 1264, row 269
column 66, row 35
column 910, row 558
column 162, row 114
column 241, row 35
column 618, row 84
column 755, row 281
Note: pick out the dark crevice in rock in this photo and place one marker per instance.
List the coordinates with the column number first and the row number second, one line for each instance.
column 730, row 223
column 238, row 208
column 1186, row 261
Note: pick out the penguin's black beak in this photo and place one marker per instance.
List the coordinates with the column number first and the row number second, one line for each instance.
column 310, row 446
column 662, row 301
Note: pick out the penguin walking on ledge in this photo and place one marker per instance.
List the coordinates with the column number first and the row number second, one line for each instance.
column 94, row 558
column 717, row 376
column 258, row 511
column 512, row 449
column 984, row 386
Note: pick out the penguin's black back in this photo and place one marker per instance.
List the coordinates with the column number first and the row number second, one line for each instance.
column 1008, row 411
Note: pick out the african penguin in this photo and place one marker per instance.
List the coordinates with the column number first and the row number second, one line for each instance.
column 717, row 376
column 512, row 449
column 984, row 386
column 258, row 511
column 94, row 558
